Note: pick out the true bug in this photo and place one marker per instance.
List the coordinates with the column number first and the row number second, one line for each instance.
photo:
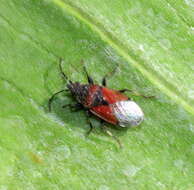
column 111, row 106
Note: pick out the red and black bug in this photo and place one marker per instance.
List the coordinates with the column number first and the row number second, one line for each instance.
column 111, row 106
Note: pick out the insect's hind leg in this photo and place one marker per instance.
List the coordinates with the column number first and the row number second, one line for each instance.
column 135, row 93
column 52, row 97
column 104, row 128
column 108, row 75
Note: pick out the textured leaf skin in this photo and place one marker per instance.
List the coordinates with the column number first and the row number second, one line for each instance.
column 41, row 150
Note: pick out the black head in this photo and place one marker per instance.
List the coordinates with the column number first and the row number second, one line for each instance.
column 79, row 91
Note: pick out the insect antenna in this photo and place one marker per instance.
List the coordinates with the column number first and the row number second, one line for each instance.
column 64, row 76
column 89, row 78
column 61, row 71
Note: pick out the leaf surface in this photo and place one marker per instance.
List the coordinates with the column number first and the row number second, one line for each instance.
column 152, row 42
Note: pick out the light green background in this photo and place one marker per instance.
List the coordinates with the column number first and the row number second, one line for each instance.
column 152, row 41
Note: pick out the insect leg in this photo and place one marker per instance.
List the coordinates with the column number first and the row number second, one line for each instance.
column 135, row 93
column 90, row 124
column 108, row 75
column 52, row 97
column 104, row 128
column 74, row 107
column 90, row 80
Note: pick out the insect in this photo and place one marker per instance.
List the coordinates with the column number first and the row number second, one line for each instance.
column 111, row 106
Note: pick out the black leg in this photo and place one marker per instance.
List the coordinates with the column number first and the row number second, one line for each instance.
column 74, row 107
column 52, row 97
column 135, row 93
column 108, row 75
column 104, row 81
column 90, row 80
column 104, row 128
column 89, row 122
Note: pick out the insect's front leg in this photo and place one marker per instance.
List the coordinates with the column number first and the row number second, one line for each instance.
column 74, row 107
column 135, row 93
column 53, row 96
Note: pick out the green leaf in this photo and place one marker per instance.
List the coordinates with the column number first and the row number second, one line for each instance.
column 152, row 41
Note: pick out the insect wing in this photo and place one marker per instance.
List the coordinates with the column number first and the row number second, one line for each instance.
column 113, row 96
column 105, row 113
